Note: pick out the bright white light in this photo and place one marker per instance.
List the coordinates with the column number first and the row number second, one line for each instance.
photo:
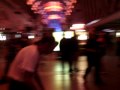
column 31, row 37
column 82, row 37
column 3, row 38
column 68, row 34
column 92, row 22
column 108, row 30
column 118, row 34
column 56, row 48
column 77, row 26
column 58, row 36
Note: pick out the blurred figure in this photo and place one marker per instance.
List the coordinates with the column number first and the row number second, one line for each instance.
column 63, row 44
column 118, row 46
column 12, row 48
column 95, row 49
column 69, row 50
column 91, row 46
column 101, row 51
column 118, row 49
column 109, row 41
column 23, row 72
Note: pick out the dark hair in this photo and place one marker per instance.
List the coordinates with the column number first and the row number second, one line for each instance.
column 49, row 40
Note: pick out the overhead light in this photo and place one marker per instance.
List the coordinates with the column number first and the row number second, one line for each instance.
column 31, row 36
column 108, row 30
column 77, row 26
column 92, row 22
column 62, row 7
column 55, row 16
column 53, row 8
column 30, row 2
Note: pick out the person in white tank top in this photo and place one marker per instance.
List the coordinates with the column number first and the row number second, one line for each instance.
column 23, row 70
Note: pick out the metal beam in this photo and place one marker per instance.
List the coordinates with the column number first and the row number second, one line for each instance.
column 105, row 20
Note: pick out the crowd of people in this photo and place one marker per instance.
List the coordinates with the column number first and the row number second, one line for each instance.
column 95, row 48
column 23, row 58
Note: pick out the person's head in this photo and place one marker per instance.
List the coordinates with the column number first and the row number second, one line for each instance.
column 46, row 45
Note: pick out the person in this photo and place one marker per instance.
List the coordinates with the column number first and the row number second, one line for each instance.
column 95, row 50
column 69, row 50
column 74, row 54
column 90, row 52
column 63, row 52
column 23, row 72
column 100, row 52
column 12, row 47
column 118, row 50
column 118, row 46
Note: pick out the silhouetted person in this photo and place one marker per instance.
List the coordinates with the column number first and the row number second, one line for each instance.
column 69, row 50
column 90, row 52
column 118, row 47
column 23, row 72
column 96, row 49
column 100, row 52
column 63, row 44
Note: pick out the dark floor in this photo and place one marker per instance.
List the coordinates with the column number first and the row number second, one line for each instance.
column 54, row 78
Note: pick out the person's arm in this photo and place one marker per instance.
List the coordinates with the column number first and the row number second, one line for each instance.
column 33, row 80
column 38, row 82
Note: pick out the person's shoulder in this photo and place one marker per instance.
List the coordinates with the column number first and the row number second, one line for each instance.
column 29, row 48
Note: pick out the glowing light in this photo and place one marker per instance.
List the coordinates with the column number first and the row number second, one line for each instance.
column 92, row 22
column 30, row 2
column 54, row 23
column 79, row 25
column 118, row 34
column 68, row 34
column 82, row 37
column 108, row 30
column 31, row 36
column 55, row 16
column 2, row 37
column 61, row 8
column 58, row 36
column 53, row 3
column 53, row 8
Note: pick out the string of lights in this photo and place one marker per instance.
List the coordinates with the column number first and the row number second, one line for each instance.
column 55, row 9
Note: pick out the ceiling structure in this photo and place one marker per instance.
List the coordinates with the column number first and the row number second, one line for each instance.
column 85, row 11
column 97, row 9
